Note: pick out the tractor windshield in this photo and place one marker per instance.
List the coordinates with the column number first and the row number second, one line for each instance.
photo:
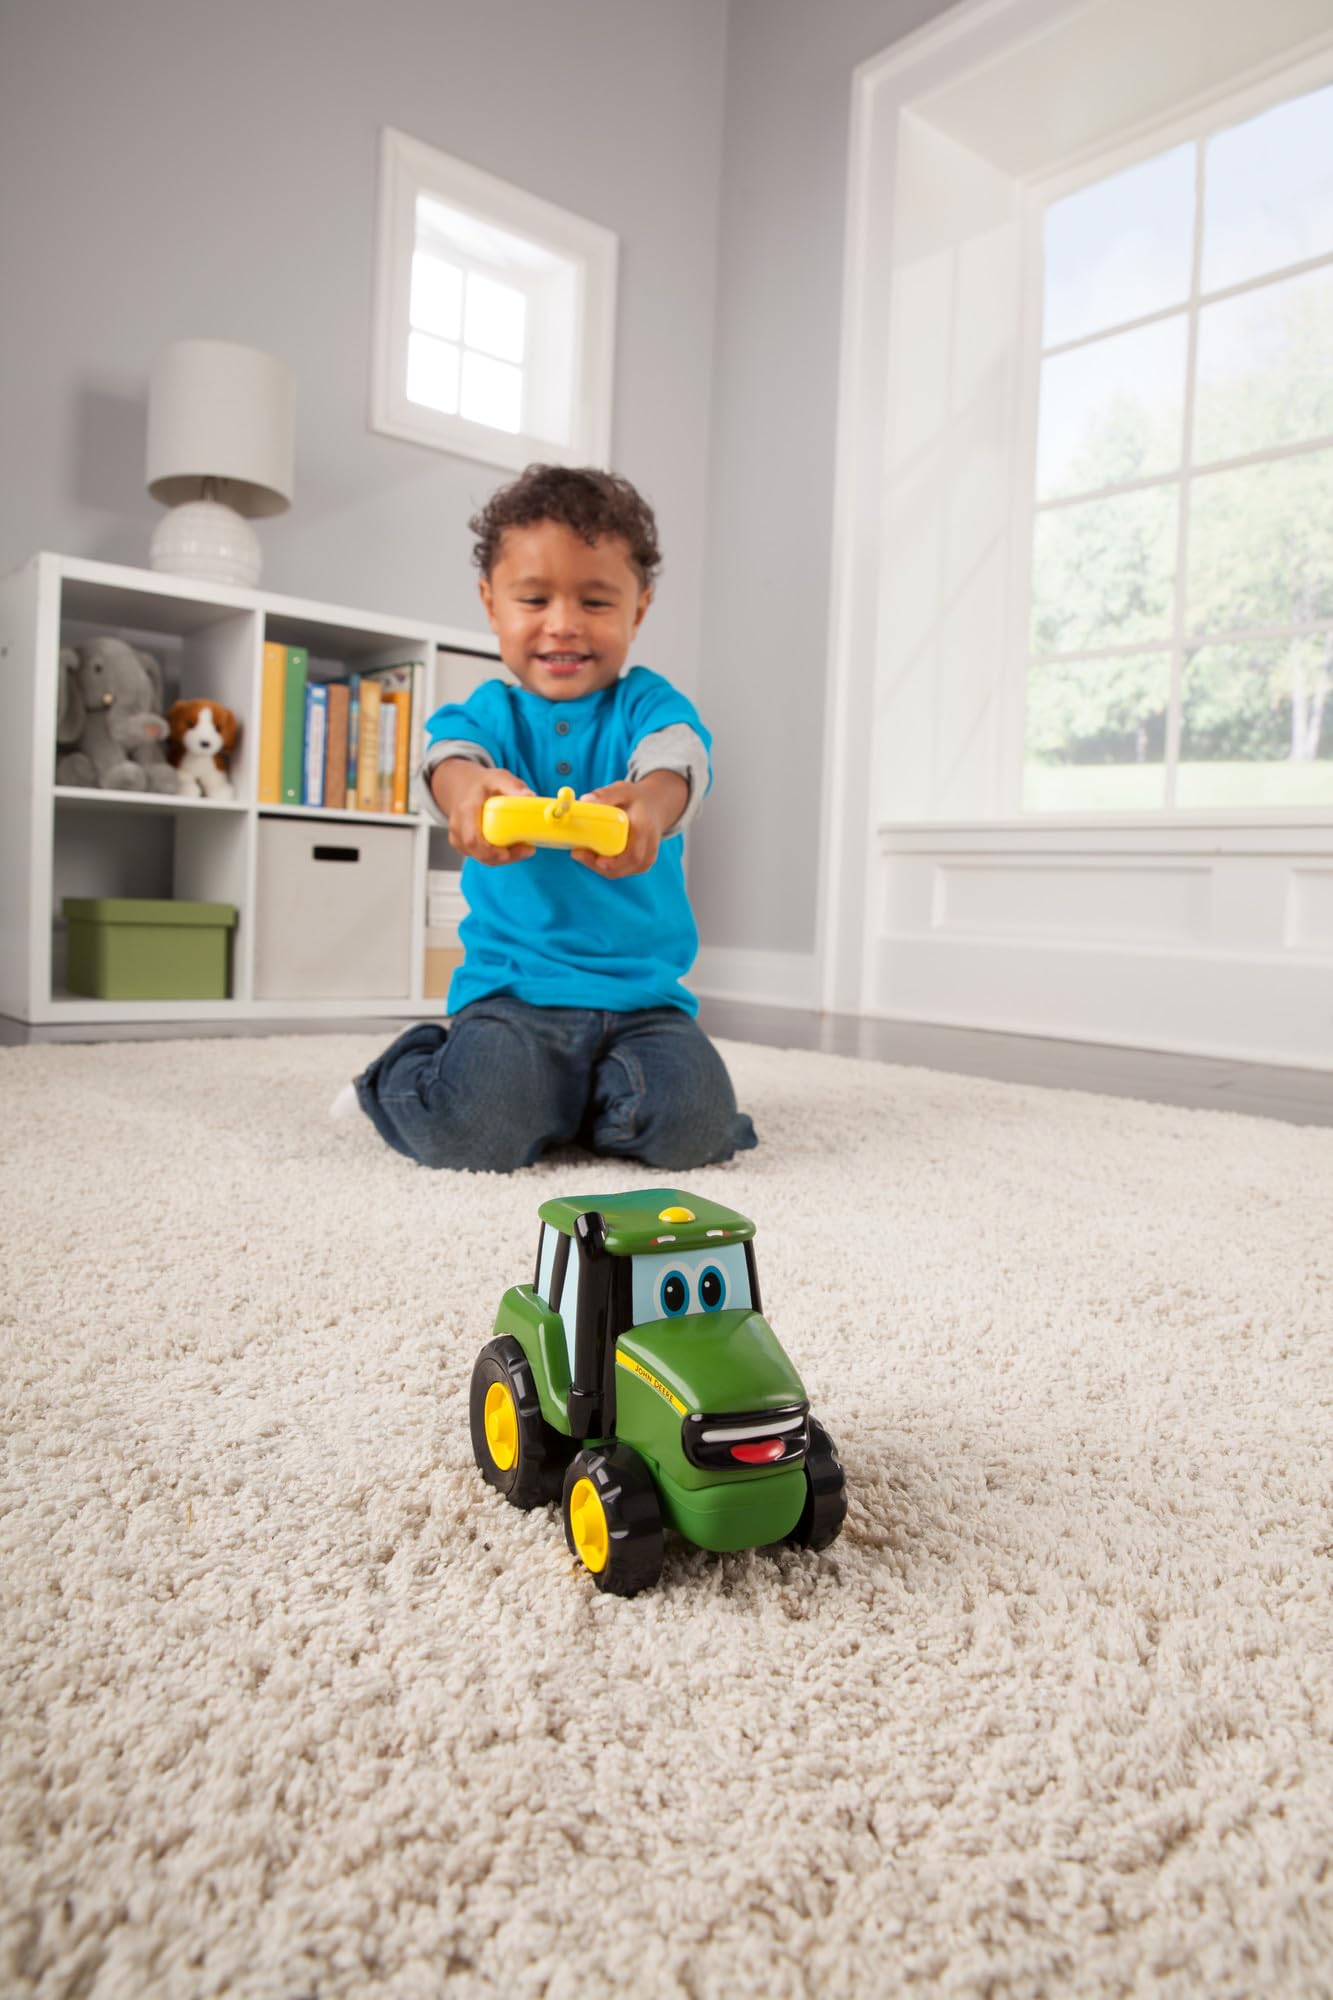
column 669, row 1284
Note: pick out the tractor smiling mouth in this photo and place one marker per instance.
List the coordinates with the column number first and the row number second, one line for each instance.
column 746, row 1437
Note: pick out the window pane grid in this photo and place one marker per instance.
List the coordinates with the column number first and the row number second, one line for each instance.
column 1277, row 276
column 466, row 343
column 1306, row 448
column 1172, row 749
column 1238, row 635
column 1158, row 566
column 432, row 372
column 494, row 318
column 436, row 300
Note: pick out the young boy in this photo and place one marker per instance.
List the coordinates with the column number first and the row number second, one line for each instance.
column 568, row 1020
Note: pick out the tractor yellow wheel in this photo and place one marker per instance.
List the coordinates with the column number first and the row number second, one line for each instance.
column 519, row 1453
column 587, row 1526
column 613, row 1518
column 501, row 1421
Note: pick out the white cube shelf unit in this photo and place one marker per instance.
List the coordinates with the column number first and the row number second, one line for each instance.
column 60, row 841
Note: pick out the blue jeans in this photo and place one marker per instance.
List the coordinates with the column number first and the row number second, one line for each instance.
column 504, row 1082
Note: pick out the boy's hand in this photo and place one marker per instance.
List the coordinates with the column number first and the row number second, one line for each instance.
column 653, row 805
column 460, row 789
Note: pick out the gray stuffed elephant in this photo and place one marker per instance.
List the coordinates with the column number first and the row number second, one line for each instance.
column 111, row 719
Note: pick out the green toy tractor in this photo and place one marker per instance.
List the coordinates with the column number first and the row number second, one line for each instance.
column 637, row 1382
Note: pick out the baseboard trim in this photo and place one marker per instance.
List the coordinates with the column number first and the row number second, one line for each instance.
column 790, row 979
column 1237, row 1007
column 1033, row 1030
column 764, row 978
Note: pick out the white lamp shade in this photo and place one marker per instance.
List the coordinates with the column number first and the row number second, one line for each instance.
column 221, row 412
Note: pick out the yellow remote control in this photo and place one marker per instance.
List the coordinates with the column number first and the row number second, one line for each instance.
column 564, row 821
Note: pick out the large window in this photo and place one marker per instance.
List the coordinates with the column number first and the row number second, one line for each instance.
column 494, row 315
column 1180, row 645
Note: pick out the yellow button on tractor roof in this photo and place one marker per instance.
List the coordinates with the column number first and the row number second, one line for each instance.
column 676, row 1215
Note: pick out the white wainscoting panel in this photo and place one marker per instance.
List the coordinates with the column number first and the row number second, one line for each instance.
column 1129, row 900
column 1206, row 937
column 1310, row 910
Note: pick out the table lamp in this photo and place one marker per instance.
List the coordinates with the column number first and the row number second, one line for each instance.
column 220, row 421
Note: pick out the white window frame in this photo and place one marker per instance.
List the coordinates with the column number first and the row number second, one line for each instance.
column 1216, row 114
column 409, row 168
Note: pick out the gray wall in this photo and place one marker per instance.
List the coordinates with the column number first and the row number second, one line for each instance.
column 770, row 517
column 173, row 169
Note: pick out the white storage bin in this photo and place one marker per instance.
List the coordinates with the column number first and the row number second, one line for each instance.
column 333, row 917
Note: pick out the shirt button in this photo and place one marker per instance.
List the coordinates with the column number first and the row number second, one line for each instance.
column 562, row 729
column 563, row 768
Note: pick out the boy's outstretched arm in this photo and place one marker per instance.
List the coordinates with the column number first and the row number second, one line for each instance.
column 654, row 803
column 460, row 788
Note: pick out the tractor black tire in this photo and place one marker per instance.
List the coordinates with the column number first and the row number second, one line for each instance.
column 825, row 1507
column 520, row 1454
column 613, row 1519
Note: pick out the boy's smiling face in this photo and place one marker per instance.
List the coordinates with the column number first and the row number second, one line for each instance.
column 565, row 611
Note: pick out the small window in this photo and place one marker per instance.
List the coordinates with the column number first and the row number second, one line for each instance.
column 494, row 315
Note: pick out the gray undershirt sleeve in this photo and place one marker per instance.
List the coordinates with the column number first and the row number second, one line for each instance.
column 676, row 748
column 436, row 754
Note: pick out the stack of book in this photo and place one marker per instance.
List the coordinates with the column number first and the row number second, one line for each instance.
column 329, row 739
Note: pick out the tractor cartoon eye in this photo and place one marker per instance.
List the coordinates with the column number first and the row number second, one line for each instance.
column 670, row 1284
column 674, row 1293
column 712, row 1289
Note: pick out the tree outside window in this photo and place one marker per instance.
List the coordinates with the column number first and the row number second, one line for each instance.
column 1181, row 642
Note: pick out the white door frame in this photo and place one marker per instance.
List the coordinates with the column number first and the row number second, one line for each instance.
column 883, row 89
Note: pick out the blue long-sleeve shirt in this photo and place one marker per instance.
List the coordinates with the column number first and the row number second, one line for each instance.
column 546, row 930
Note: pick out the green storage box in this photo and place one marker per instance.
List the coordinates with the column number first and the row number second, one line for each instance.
column 134, row 948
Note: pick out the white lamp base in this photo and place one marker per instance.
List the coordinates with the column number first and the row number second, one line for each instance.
column 202, row 538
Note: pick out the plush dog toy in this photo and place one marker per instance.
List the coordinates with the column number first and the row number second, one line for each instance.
column 203, row 735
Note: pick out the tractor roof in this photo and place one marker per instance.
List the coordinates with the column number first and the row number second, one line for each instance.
column 651, row 1219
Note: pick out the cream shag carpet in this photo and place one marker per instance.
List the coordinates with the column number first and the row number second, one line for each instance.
column 294, row 1705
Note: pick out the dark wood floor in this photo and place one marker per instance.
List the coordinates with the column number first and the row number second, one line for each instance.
column 1301, row 1096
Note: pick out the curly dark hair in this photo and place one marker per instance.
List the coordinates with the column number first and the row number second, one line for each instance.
column 592, row 503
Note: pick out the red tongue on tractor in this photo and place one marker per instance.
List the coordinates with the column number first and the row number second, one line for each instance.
column 762, row 1452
